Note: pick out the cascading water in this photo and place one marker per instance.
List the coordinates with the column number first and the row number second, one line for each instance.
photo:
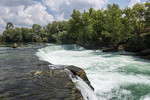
column 86, row 91
column 114, row 76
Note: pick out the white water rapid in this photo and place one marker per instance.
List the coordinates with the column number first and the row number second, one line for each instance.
column 113, row 76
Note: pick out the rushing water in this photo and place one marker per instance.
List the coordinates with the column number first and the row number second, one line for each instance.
column 114, row 76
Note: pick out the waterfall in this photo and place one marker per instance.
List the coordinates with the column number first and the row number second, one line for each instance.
column 113, row 75
column 86, row 91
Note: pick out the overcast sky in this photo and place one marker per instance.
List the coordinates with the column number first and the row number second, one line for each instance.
column 25, row 13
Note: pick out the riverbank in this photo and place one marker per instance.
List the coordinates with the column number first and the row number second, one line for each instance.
column 143, row 53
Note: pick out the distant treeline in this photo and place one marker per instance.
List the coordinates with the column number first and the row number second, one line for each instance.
column 113, row 27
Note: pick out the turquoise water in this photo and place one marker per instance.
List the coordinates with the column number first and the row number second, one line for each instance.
column 114, row 76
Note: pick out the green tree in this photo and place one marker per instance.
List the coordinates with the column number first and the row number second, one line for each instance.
column 147, row 14
column 81, row 27
column 98, row 27
column 51, row 29
column 1, row 38
column 113, row 24
column 9, row 25
column 74, row 24
column 26, row 34
column 12, row 35
column 61, row 37
column 37, row 29
column 129, row 22
column 17, row 35
column 139, row 11
column 8, row 35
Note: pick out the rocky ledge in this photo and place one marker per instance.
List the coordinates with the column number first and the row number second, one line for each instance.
column 55, row 84
column 24, row 77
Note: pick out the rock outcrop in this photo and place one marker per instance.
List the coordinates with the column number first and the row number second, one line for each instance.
column 81, row 73
column 55, row 84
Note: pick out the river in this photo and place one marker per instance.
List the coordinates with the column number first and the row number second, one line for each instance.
column 115, row 76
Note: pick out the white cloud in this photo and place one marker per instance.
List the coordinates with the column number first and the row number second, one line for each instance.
column 24, row 15
column 60, row 17
column 18, row 2
column 132, row 2
column 66, row 7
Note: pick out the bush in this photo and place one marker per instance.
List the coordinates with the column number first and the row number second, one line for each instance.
column 45, row 39
column 38, row 39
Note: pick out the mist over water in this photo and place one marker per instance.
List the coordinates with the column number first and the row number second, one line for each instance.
column 114, row 76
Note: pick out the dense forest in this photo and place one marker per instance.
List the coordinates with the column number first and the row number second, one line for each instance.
column 112, row 27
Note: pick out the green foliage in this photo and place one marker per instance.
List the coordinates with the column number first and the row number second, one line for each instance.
column 81, row 26
column 61, row 37
column 129, row 22
column 9, row 25
column 114, row 27
column 147, row 14
column 53, row 30
column 26, row 34
column 1, row 38
column 45, row 39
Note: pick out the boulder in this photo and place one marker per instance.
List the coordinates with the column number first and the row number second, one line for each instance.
column 15, row 45
column 144, row 54
column 81, row 73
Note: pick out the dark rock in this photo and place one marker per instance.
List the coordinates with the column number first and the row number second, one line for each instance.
column 146, row 57
column 144, row 54
column 81, row 73
column 110, row 49
column 56, row 84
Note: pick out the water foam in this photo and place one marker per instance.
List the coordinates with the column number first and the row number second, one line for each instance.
column 86, row 91
column 107, row 72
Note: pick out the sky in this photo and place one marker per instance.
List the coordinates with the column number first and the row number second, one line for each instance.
column 25, row 13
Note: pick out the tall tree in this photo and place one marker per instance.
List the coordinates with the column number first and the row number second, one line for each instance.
column 129, row 22
column 147, row 14
column 113, row 24
column 9, row 25
column 139, row 11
